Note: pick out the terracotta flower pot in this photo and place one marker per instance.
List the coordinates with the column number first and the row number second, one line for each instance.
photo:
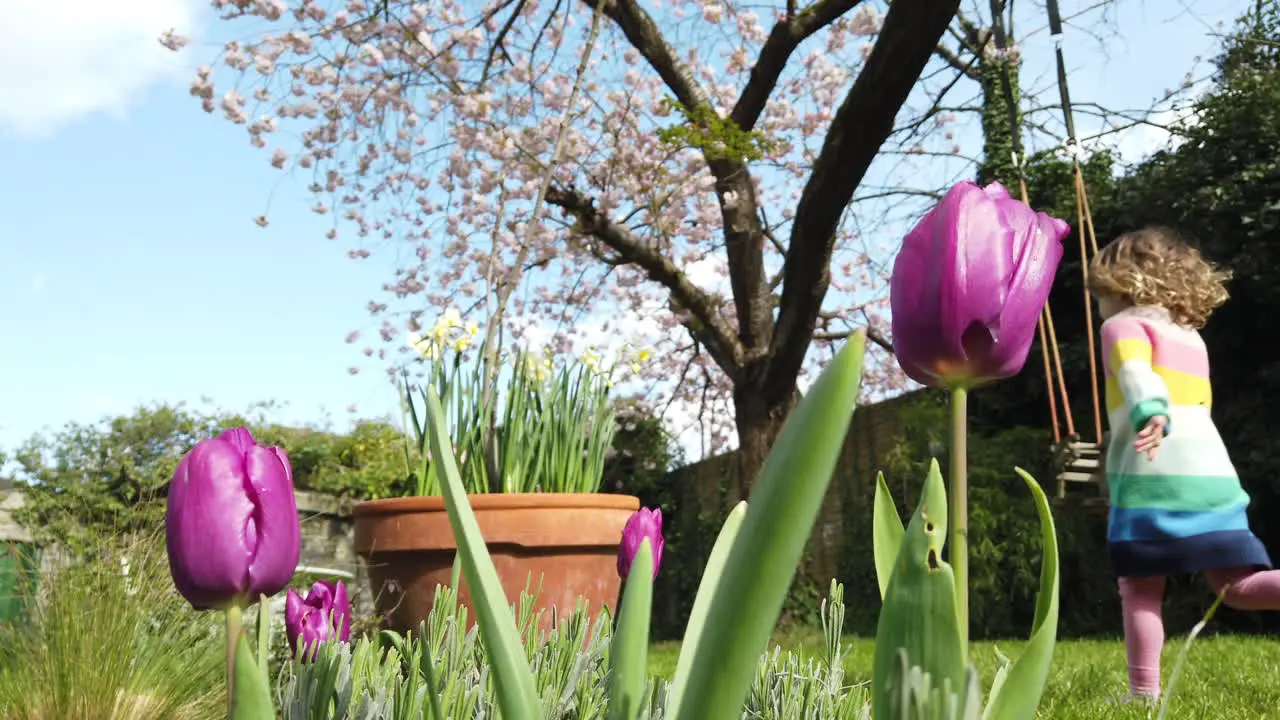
column 568, row 540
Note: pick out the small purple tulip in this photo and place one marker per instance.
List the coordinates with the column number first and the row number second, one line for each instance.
column 231, row 525
column 324, row 615
column 969, row 284
column 645, row 523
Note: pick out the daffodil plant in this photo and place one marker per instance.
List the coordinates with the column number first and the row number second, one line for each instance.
column 532, row 425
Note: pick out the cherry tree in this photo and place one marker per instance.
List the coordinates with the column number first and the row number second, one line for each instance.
column 681, row 172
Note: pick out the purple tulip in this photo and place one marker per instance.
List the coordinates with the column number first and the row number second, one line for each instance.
column 324, row 615
column 969, row 284
column 645, row 523
column 231, row 525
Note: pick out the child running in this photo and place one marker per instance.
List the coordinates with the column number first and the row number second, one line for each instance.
column 1176, row 502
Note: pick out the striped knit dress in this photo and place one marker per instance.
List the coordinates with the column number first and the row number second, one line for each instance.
column 1184, row 512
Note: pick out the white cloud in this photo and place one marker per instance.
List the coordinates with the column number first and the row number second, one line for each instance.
column 60, row 61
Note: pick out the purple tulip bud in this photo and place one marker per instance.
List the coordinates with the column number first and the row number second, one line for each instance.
column 324, row 615
column 231, row 525
column 969, row 284
column 645, row 523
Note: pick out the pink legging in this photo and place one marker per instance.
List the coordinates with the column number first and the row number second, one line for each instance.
column 1141, row 599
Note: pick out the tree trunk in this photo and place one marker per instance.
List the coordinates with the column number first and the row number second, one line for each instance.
column 758, row 422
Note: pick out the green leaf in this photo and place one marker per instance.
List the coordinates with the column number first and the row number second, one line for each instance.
column 887, row 532
column 702, row 604
column 251, row 691
column 513, row 678
column 919, row 613
column 1018, row 696
column 631, row 640
column 764, row 557
column 1002, row 673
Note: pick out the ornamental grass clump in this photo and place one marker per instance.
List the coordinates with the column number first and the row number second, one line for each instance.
column 110, row 639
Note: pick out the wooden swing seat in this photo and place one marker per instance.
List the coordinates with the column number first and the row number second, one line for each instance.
column 1082, row 480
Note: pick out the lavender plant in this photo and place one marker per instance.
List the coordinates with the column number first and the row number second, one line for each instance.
column 442, row 671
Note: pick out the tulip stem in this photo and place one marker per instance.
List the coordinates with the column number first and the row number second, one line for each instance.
column 235, row 621
column 959, row 540
column 264, row 635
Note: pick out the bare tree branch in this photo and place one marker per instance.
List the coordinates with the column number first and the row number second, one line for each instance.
column 643, row 34
column 872, row 335
column 907, row 40
column 744, row 234
column 785, row 37
column 966, row 67
column 708, row 327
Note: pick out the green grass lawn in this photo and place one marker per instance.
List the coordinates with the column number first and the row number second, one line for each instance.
column 1226, row 678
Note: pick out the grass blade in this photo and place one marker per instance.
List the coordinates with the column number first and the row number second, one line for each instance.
column 630, row 654
column 702, row 604
column 1019, row 695
column 919, row 613
column 517, row 695
column 1185, row 653
column 764, row 557
column 886, row 533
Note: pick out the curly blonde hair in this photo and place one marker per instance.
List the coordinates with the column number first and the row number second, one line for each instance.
column 1155, row 266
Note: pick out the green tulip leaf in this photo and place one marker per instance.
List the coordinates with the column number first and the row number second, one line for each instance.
column 886, row 533
column 1016, row 696
column 702, row 604
column 513, row 678
column 630, row 652
column 1002, row 673
column 763, row 558
column 251, row 691
column 919, row 611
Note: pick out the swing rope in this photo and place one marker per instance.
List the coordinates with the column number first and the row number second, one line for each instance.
column 1084, row 216
column 1049, row 349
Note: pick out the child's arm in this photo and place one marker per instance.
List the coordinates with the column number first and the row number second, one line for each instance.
column 1127, row 346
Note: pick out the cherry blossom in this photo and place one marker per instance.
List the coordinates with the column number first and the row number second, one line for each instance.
column 429, row 130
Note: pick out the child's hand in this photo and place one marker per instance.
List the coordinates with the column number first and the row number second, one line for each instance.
column 1150, row 435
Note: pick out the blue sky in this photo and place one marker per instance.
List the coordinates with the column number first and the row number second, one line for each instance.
column 131, row 271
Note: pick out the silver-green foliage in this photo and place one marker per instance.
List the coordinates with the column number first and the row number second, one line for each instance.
column 393, row 680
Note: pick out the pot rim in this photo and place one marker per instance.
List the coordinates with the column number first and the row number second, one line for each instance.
column 499, row 501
